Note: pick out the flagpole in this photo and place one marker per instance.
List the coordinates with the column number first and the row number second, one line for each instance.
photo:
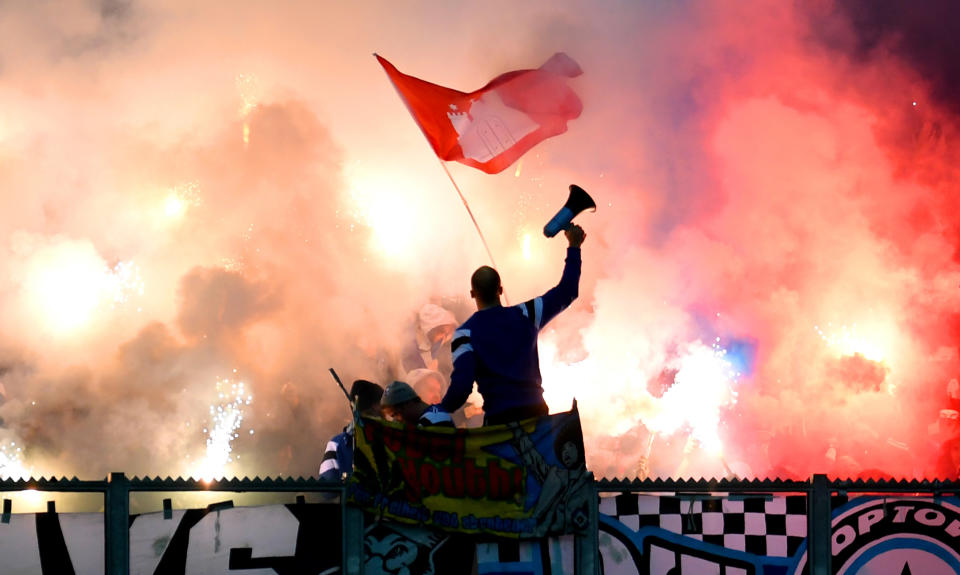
column 472, row 219
column 469, row 211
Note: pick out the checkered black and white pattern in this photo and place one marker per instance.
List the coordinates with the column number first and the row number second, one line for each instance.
column 768, row 526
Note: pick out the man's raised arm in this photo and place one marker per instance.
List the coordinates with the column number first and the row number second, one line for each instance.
column 546, row 307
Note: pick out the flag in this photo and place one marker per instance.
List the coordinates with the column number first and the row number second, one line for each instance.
column 492, row 127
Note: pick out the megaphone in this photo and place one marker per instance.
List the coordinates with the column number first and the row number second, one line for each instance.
column 577, row 201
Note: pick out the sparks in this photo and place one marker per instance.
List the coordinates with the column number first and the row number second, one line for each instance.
column 226, row 417
column 123, row 282
column 248, row 86
column 849, row 342
column 11, row 462
column 702, row 387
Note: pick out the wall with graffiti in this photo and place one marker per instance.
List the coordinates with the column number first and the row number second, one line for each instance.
column 638, row 534
column 766, row 535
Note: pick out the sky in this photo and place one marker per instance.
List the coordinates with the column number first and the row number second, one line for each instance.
column 204, row 208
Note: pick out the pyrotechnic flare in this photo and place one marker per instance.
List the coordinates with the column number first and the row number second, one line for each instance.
column 249, row 88
column 702, row 387
column 180, row 199
column 379, row 203
column 67, row 282
column 11, row 462
column 123, row 282
column 226, row 417
column 850, row 342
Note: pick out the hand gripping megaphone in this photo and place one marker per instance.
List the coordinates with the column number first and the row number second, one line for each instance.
column 577, row 201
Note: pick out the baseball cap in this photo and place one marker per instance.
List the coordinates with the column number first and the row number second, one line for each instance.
column 397, row 393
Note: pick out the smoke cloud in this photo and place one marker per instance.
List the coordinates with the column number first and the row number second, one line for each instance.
column 195, row 197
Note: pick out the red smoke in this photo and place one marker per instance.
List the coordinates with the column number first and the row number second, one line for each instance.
column 773, row 174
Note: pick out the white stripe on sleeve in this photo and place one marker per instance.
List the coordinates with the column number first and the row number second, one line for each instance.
column 328, row 464
column 462, row 350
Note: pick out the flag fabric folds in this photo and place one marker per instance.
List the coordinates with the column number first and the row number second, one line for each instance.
column 490, row 128
column 523, row 480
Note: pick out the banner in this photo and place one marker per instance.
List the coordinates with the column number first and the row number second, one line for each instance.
column 521, row 480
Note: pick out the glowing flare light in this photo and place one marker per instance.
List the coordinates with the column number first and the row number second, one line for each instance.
column 849, row 342
column 180, row 199
column 248, row 85
column 67, row 284
column 381, row 205
column 226, row 417
column 702, row 387
column 11, row 463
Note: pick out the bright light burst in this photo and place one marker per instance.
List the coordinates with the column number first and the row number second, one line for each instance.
column 180, row 199
column 526, row 248
column 68, row 282
column 226, row 417
column 380, row 205
column 702, row 387
column 848, row 341
column 123, row 282
column 11, row 462
column 248, row 86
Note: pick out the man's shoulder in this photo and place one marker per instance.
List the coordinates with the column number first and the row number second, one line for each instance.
column 494, row 314
column 344, row 437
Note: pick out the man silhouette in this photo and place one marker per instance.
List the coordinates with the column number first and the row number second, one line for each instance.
column 497, row 346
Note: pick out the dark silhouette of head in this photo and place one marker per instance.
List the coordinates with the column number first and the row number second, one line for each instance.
column 367, row 395
column 485, row 287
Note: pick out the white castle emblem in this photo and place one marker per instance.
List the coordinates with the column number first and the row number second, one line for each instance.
column 489, row 127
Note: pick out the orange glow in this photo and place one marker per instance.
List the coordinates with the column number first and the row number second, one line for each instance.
column 65, row 285
column 771, row 160
column 380, row 203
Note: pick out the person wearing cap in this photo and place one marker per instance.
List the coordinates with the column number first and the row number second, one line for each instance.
column 401, row 403
column 497, row 346
column 337, row 461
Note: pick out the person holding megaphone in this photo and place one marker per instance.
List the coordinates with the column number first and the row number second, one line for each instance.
column 497, row 346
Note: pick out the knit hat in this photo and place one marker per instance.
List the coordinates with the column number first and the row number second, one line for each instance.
column 366, row 393
column 415, row 376
column 397, row 393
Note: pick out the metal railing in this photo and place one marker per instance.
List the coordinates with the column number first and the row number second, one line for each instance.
column 117, row 488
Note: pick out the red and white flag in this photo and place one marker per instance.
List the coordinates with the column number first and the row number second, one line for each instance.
column 492, row 127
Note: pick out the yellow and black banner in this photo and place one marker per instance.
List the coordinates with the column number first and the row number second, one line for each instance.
column 521, row 480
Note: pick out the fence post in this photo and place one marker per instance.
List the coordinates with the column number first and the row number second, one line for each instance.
column 586, row 545
column 352, row 537
column 819, row 526
column 116, row 524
